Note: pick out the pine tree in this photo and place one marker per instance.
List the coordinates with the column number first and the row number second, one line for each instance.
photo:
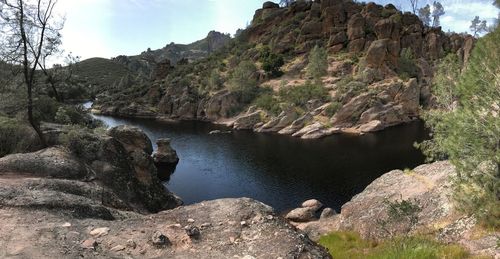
column 468, row 132
column 424, row 14
column 318, row 63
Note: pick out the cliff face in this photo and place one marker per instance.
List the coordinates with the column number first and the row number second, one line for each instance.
column 380, row 67
column 348, row 26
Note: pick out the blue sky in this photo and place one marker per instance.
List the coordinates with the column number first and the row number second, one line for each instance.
column 107, row 28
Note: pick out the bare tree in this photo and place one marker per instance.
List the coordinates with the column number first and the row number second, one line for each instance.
column 414, row 6
column 27, row 32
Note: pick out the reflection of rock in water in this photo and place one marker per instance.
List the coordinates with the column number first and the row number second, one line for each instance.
column 165, row 170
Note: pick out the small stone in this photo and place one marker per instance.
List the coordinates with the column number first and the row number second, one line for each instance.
column 205, row 225
column 269, row 217
column 193, row 232
column 327, row 213
column 301, row 215
column 118, row 248
column 232, row 239
column 66, row 225
column 190, row 220
column 159, row 239
column 131, row 243
column 243, row 223
column 313, row 204
column 89, row 244
column 99, row 232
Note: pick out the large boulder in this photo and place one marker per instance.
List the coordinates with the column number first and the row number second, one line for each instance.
column 284, row 119
column 356, row 27
column 377, row 53
column 220, row 105
column 50, row 163
column 248, row 120
column 270, row 5
column 296, row 125
column 132, row 138
column 300, row 215
column 165, row 154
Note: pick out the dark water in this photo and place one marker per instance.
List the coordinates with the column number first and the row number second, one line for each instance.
column 281, row 171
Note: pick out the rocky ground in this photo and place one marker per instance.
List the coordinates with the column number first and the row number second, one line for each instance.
column 429, row 186
column 228, row 228
column 54, row 204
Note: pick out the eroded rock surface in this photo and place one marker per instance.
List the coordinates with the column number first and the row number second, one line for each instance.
column 227, row 228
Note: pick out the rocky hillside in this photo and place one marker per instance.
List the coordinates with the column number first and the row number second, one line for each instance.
column 173, row 53
column 94, row 200
column 380, row 67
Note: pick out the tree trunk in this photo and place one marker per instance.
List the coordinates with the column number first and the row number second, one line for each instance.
column 28, row 77
column 31, row 119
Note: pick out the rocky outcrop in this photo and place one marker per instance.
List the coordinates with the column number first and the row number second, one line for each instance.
column 132, row 138
column 157, row 63
column 111, row 172
column 248, row 120
column 227, row 228
column 396, row 102
column 165, row 154
column 430, row 188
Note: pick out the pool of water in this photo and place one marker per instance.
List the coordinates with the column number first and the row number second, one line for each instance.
column 281, row 171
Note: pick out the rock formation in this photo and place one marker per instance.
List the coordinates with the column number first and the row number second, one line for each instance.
column 165, row 154
column 429, row 187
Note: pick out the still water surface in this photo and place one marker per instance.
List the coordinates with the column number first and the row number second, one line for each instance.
column 281, row 171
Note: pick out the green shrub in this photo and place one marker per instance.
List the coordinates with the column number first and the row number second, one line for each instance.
column 45, row 108
column 318, row 63
column 81, row 142
column 299, row 95
column 243, row 80
column 402, row 217
column 15, row 137
column 268, row 102
column 271, row 62
column 62, row 116
column 349, row 86
column 333, row 108
column 407, row 67
column 215, row 81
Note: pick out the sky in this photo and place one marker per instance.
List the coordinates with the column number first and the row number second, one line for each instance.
column 108, row 28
